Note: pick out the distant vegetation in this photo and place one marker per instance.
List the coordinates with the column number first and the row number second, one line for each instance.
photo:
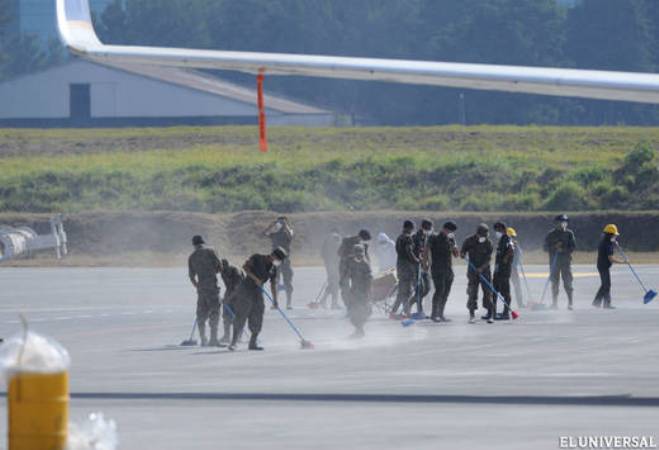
column 438, row 168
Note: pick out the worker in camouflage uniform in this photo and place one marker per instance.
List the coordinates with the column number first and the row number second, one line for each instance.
column 281, row 235
column 232, row 276
column 478, row 248
column 247, row 300
column 422, row 277
column 203, row 266
column 439, row 255
column 502, row 270
column 346, row 254
column 560, row 244
column 359, row 279
column 406, row 269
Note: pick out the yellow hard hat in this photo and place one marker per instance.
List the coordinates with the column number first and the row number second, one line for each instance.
column 611, row 229
column 510, row 231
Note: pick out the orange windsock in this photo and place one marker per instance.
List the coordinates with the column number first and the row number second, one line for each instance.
column 263, row 131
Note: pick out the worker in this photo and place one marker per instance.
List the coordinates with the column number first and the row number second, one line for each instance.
column 478, row 249
column 247, row 300
column 502, row 270
column 605, row 259
column 359, row 277
column 281, row 235
column 345, row 254
column 560, row 244
column 329, row 253
column 203, row 266
column 517, row 268
column 385, row 253
column 439, row 254
column 406, row 265
column 422, row 277
column 232, row 276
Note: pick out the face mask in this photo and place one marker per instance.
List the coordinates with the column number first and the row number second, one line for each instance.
column 276, row 263
column 278, row 226
column 498, row 234
column 451, row 235
column 563, row 226
column 614, row 239
column 482, row 239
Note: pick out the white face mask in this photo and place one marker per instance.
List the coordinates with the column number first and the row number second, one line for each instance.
column 276, row 263
column 451, row 235
column 563, row 226
column 614, row 239
column 278, row 226
column 482, row 239
column 498, row 234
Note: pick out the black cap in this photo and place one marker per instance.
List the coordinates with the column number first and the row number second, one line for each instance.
column 450, row 225
column 280, row 253
column 561, row 218
column 408, row 225
column 500, row 226
column 426, row 224
column 365, row 235
column 482, row 229
column 197, row 240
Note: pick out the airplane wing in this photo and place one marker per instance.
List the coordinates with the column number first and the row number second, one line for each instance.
column 77, row 33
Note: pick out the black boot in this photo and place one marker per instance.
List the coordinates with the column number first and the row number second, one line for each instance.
column 253, row 345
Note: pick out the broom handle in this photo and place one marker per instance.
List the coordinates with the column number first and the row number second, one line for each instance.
column 194, row 326
column 551, row 271
column 490, row 286
column 290, row 324
column 521, row 268
column 632, row 268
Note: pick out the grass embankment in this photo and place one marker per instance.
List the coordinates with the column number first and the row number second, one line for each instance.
column 220, row 169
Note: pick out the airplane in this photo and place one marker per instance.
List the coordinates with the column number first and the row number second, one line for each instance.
column 78, row 35
column 16, row 242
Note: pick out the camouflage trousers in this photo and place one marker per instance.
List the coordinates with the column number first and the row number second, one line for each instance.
column 208, row 306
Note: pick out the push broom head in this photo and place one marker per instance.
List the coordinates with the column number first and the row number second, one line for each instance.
column 514, row 314
column 306, row 345
column 649, row 296
column 407, row 322
column 189, row 343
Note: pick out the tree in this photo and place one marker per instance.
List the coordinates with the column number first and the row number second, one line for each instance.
column 613, row 35
column 5, row 17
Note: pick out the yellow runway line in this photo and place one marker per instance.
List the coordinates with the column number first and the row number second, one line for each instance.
column 575, row 275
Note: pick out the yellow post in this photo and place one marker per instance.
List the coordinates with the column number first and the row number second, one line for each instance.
column 38, row 411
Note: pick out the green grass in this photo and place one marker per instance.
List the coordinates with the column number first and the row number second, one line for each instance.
column 219, row 169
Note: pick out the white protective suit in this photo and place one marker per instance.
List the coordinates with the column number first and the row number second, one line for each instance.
column 385, row 253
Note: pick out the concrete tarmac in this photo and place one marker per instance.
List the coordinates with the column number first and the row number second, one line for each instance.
column 514, row 385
